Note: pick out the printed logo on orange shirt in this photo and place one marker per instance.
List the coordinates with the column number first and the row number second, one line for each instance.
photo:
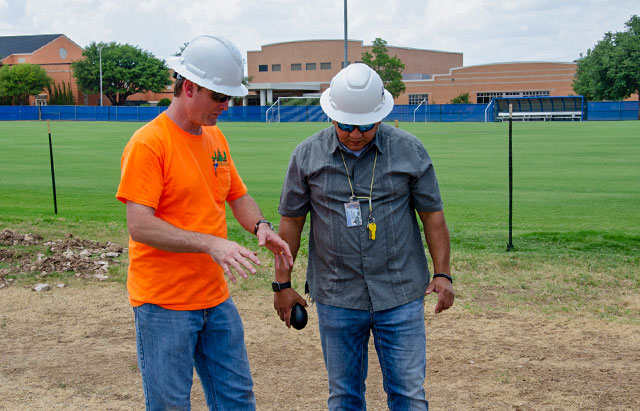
column 217, row 159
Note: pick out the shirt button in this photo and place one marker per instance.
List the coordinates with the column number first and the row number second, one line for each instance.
column 362, row 230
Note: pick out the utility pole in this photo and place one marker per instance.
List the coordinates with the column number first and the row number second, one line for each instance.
column 346, row 60
column 100, row 51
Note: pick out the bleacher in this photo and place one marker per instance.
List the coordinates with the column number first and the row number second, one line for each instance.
column 556, row 108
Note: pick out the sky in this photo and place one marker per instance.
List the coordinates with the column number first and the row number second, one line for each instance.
column 485, row 31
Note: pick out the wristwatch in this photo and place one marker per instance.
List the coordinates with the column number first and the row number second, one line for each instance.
column 277, row 287
column 255, row 230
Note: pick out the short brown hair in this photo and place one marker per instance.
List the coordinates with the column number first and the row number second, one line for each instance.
column 177, row 86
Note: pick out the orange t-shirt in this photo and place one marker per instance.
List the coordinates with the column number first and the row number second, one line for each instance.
column 186, row 179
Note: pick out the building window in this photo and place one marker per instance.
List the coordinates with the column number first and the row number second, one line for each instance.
column 485, row 97
column 535, row 93
column 296, row 66
column 325, row 66
column 311, row 66
column 275, row 67
column 20, row 59
column 263, row 67
column 415, row 99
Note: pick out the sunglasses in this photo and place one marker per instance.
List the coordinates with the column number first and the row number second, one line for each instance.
column 219, row 98
column 349, row 127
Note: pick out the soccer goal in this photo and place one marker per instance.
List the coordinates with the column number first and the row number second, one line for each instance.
column 290, row 109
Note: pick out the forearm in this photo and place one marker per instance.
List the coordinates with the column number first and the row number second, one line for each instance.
column 246, row 211
column 144, row 227
column 290, row 230
column 436, row 234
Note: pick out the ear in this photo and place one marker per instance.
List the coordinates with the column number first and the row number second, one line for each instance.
column 188, row 88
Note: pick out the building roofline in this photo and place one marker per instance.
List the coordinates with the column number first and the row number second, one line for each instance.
column 514, row 62
column 61, row 35
column 354, row 41
column 57, row 36
column 451, row 70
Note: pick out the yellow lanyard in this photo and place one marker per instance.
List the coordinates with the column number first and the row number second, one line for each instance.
column 371, row 223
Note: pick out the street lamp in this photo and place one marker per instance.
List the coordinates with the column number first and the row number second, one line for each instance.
column 100, row 52
column 346, row 60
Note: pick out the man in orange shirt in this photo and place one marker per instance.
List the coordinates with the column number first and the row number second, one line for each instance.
column 177, row 176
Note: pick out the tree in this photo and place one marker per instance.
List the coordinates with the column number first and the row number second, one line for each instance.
column 126, row 70
column 389, row 68
column 60, row 96
column 461, row 99
column 19, row 82
column 610, row 71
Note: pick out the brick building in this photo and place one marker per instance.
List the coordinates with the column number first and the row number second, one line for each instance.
column 53, row 52
column 305, row 68
column 483, row 82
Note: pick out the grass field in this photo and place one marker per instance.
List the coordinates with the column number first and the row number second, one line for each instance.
column 576, row 200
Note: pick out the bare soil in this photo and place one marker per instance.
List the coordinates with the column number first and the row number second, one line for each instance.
column 73, row 348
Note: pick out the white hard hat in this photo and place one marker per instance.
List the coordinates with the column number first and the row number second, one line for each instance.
column 213, row 63
column 356, row 96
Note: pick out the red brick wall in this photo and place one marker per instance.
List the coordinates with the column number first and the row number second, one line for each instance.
column 320, row 51
column 526, row 76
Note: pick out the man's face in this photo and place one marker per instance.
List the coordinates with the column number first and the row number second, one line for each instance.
column 208, row 105
column 355, row 140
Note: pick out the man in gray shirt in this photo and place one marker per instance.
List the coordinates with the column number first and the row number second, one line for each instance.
column 362, row 182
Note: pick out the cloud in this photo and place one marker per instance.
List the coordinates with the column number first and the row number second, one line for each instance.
column 486, row 31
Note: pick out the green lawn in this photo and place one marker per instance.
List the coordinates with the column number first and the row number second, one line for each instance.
column 576, row 192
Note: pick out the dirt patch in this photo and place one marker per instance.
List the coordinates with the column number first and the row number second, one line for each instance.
column 74, row 349
column 29, row 253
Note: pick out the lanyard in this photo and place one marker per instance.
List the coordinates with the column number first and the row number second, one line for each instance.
column 375, row 160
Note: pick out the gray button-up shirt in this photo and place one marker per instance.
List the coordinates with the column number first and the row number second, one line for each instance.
column 346, row 268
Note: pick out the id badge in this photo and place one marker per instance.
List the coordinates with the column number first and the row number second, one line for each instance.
column 353, row 213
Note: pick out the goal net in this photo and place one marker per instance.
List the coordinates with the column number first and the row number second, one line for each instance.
column 290, row 109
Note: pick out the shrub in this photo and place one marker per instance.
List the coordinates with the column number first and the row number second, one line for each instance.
column 461, row 99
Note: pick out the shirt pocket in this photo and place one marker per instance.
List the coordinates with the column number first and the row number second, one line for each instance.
column 221, row 181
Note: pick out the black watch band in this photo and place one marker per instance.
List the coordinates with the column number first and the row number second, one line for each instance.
column 255, row 230
column 447, row 276
column 277, row 287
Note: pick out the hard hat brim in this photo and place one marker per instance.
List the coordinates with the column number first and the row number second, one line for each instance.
column 236, row 91
column 356, row 119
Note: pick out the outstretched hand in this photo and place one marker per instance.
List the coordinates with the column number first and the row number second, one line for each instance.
column 280, row 249
column 444, row 289
column 229, row 254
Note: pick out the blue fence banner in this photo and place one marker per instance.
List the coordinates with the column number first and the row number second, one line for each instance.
column 612, row 110
column 598, row 111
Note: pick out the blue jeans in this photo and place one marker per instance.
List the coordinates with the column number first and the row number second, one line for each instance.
column 399, row 337
column 171, row 342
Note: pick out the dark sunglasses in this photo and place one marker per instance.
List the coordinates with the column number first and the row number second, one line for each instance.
column 220, row 98
column 349, row 127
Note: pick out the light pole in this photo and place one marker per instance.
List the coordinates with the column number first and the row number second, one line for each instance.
column 345, row 64
column 100, row 52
